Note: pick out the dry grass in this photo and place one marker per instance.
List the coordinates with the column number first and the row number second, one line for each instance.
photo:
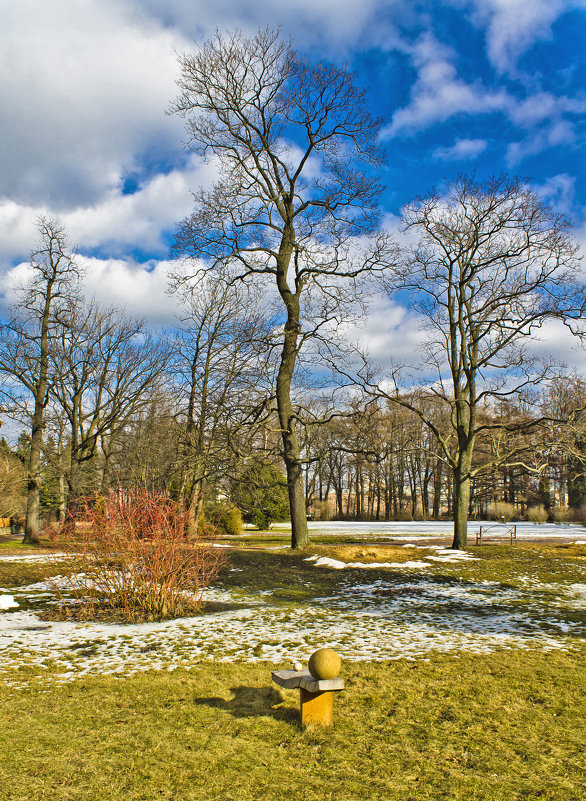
column 505, row 726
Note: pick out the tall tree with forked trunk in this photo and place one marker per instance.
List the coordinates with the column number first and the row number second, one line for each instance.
column 295, row 203
column 492, row 264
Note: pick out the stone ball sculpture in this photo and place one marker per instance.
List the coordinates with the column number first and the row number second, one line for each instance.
column 324, row 664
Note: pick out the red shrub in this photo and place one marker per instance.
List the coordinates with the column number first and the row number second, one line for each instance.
column 136, row 560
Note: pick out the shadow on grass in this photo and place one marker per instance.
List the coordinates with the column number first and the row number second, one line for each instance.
column 250, row 702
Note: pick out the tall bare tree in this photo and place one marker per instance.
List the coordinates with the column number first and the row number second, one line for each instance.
column 296, row 200
column 492, row 264
column 219, row 368
column 25, row 346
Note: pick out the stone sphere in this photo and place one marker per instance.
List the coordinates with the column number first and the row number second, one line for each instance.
column 324, row 664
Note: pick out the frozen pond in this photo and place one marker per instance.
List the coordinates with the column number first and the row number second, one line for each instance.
column 433, row 528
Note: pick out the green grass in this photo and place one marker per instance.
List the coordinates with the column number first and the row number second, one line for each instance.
column 499, row 727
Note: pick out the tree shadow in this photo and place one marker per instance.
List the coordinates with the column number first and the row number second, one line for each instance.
column 253, row 702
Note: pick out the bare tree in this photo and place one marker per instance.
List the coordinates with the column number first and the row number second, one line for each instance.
column 219, row 367
column 294, row 204
column 106, row 369
column 491, row 265
column 25, row 349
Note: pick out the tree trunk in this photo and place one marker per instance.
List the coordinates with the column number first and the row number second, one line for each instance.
column 461, row 504
column 33, row 501
column 291, row 452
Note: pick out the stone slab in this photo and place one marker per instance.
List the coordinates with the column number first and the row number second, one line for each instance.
column 293, row 679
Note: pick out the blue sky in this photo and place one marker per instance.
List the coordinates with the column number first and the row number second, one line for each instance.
column 463, row 85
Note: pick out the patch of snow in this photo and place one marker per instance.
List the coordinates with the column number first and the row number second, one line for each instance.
column 426, row 529
column 44, row 557
column 8, row 602
column 448, row 555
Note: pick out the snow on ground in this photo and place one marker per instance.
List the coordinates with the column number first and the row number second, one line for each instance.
column 441, row 555
column 406, row 617
column 326, row 561
column 50, row 556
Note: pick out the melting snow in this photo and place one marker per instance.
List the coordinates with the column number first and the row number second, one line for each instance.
column 397, row 617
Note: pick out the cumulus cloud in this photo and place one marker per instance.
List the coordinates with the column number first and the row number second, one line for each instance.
column 388, row 331
column 462, row 150
column 85, row 86
column 335, row 23
column 119, row 221
column 138, row 289
column 123, row 220
column 439, row 94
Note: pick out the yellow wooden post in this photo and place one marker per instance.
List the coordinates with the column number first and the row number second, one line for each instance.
column 317, row 708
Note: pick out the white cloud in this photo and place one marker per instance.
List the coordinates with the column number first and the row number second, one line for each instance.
column 118, row 221
column 438, row 93
column 559, row 133
column 558, row 191
column 513, row 26
column 555, row 341
column 86, row 86
column 388, row 331
column 334, row 23
column 140, row 218
column 138, row 289
column 462, row 150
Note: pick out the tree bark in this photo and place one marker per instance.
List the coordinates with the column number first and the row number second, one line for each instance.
column 33, row 501
column 461, row 504
column 291, row 452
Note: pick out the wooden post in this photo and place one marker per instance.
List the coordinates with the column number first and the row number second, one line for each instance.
column 317, row 708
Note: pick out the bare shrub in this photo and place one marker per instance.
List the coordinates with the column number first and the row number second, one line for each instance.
column 500, row 510
column 537, row 514
column 562, row 514
column 135, row 559
column 321, row 510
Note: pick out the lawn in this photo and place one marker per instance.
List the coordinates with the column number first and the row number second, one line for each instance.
column 464, row 680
